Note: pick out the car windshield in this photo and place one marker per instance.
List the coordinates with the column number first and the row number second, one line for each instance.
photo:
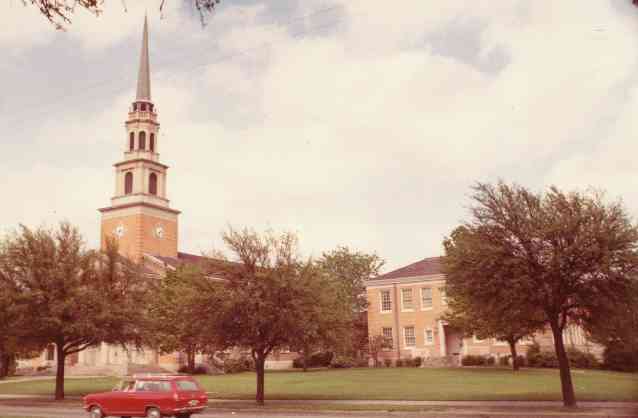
column 186, row 386
column 126, row 385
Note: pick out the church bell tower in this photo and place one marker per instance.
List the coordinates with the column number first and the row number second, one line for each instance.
column 139, row 216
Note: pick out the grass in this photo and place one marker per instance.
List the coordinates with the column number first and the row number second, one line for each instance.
column 474, row 384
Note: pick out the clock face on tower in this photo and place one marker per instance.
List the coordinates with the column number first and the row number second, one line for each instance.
column 158, row 231
column 119, row 231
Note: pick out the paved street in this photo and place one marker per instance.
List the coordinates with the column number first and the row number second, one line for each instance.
column 447, row 410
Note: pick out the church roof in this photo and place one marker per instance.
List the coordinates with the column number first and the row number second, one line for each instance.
column 212, row 266
column 144, row 75
column 425, row 267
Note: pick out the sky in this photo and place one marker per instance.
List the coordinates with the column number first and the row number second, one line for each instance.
column 350, row 122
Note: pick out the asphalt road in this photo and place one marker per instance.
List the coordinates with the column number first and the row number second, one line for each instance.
column 76, row 412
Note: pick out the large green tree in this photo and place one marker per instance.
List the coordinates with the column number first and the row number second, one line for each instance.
column 174, row 314
column 265, row 301
column 349, row 270
column 482, row 308
column 72, row 297
column 571, row 255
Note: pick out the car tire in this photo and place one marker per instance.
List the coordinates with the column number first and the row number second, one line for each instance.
column 96, row 412
column 153, row 413
column 183, row 416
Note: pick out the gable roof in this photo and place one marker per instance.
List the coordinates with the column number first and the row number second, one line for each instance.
column 425, row 267
column 212, row 266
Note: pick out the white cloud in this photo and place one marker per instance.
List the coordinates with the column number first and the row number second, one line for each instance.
column 363, row 134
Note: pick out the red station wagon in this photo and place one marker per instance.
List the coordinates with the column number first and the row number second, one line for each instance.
column 151, row 396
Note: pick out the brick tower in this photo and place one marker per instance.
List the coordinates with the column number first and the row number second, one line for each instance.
column 139, row 216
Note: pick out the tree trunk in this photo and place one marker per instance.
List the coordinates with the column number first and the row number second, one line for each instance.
column 59, row 374
column 512, row 344
column 260, row 362
column 5, row 363
column 305, row 359
column 190, row 356
column 569, row 399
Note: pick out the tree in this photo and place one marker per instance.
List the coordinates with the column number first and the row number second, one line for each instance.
column 571, row 253
column 59, row 12
column 263, row 303
column 174, row 315
column 72, row 297
column 349, row 270
column 377, row 344
column 486, row 311
column 616, row 328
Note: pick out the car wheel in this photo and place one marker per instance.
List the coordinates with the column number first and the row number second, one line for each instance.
column 183, row 416
column 96, row 412
column 153, row 413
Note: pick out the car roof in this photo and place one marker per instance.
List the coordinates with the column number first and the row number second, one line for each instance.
column 158, row 377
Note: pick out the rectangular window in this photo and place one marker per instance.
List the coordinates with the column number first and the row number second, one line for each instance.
column 387, row 334
column 410, row 338
column 406, row 299
column 386, row 301
column 443, row 295
column 426, row 297
column 429, row 337
column 186, row 386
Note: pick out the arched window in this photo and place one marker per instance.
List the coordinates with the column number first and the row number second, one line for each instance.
column 128, row 183
column 131, row 142
column 142, row 145
column 152, row 142
column 143, row 106
column 152, row 183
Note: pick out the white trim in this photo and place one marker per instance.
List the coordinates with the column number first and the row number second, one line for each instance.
column 381, row 310
column 441, row 339
column 425, row 336
column 405, row 280
column 426, row 308
column 403, row 308
column 442, row 295
column 405, row 341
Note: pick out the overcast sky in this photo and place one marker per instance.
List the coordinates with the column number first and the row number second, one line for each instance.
column 352, row 122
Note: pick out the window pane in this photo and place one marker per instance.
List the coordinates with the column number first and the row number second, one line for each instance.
column 386, row 302
column 406, row 295
column 426, row 297
column 410, row 338
column 429, row 337
column 387, row 334
column 186, row 385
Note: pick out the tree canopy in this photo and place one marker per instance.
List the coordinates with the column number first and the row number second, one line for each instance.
column 567, row 255
column 71, row 297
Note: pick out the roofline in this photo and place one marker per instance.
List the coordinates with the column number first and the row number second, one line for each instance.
column 402, row 280
column 130, row 205
column 137, row 160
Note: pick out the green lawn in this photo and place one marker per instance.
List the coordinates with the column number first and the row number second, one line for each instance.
column 391, row 384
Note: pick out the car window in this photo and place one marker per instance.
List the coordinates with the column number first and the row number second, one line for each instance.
column 127, row 385
column 152, row 386
column 186, row 385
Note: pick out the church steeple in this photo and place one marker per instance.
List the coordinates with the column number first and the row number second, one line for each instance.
column 144, row 76
column 140, row 216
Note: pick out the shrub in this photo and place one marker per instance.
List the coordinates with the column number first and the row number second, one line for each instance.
column 342, row 362
column 238, row 365
column 398, row 363
column 387, row 362
column 473, row 360
column 533, row 355
column 504, row 360
column 417, row 361
column 198, row 369
column 522, row 361
column 581, row 360
column 490, row 361
column 362, row 362
column 320, row 359
column 619, row 358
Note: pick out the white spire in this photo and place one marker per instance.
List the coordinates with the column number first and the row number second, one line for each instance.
column 144, row 77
